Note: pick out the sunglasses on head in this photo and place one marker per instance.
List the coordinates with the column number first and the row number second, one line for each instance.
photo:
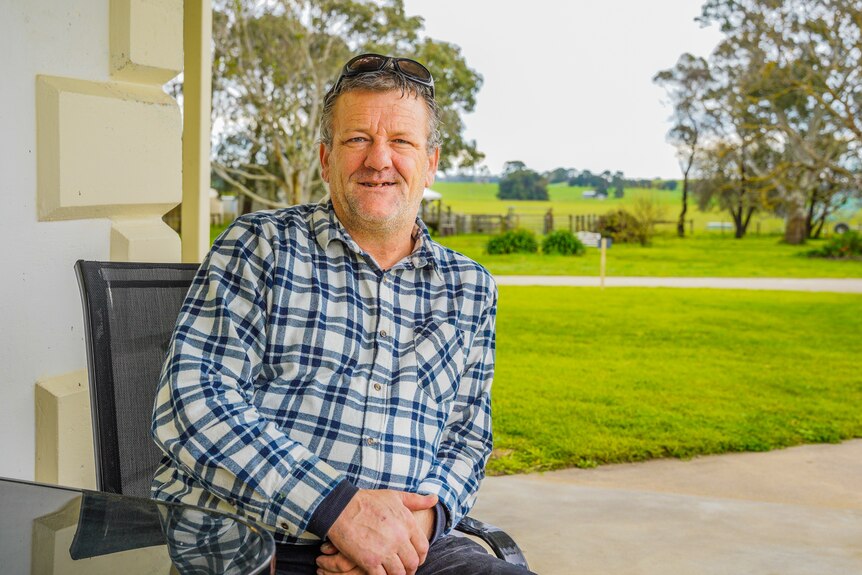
column 368, row 63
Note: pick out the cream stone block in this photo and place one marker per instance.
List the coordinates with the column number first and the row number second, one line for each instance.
column 105, row 149
column 64, row 431
column 146, row 40
column 144, row 240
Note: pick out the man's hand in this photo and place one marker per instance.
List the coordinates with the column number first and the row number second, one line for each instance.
column 379, row 533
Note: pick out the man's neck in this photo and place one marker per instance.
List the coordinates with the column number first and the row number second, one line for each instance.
column 386, row 249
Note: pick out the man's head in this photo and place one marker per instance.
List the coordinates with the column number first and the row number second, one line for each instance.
column 376, row 73
column 379, row 144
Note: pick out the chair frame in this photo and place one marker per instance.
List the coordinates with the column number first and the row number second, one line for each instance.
column 100, row 370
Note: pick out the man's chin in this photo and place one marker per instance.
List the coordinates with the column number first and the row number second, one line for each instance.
column 381, row 214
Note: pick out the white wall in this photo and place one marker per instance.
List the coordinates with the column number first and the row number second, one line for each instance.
column 40, row 310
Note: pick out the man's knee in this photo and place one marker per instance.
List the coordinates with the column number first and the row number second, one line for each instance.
column 456, row 555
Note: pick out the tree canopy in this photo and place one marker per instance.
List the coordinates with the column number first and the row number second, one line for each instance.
column 521, row 183
column 784, row 109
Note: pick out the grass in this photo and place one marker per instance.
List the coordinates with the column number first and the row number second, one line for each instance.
column 701, row 255
column 586, row 377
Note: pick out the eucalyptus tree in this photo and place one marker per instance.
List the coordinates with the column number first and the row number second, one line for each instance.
column 688, row 85
column 796, row 67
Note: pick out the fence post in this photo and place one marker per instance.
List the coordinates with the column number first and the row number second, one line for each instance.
column 604, row 243
column 510, row 219
column 571, row 223
column 549, row 221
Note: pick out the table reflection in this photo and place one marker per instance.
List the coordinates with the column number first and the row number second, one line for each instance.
column 52, row 530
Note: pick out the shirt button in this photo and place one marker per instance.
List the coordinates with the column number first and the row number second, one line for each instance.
column 383, row 333
column 376, row 387
column 284, row 525
column 369, row 441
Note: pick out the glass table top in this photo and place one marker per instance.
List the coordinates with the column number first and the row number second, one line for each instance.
column 56, row 530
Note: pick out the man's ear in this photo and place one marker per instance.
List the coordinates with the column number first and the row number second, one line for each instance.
column 433, row 161
column 324, row 162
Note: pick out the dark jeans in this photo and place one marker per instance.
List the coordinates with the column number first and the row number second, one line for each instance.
column 452, row 555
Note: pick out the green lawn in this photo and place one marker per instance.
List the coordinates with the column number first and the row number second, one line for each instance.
column 702, row 255
column 586, row 377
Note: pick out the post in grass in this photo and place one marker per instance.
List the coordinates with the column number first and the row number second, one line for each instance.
column 602, row 261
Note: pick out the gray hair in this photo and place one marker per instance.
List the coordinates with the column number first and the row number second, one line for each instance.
column 385, row 80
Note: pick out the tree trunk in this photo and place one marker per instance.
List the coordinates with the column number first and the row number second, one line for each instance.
column 796, row 223
column 680, row 224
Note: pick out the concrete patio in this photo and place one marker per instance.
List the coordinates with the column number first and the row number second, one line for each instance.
column 796, row 511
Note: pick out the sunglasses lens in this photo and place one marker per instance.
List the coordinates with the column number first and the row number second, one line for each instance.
column 414, row 70
column 366, row 63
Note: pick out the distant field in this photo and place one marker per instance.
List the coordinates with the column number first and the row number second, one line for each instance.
column 468, row 198
column 701, row 255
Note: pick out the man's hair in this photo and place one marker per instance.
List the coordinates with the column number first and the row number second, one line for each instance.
column 385, row 80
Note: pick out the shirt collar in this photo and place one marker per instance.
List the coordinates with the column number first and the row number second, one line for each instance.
column 326, row 227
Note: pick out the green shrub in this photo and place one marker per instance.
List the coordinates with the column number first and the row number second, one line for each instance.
column 622, row 227
column 515, row 241
column 846, row 245
column 562, row 242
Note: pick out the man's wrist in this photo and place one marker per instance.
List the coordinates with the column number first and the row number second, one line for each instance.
column 330, row 508
column 439, row 525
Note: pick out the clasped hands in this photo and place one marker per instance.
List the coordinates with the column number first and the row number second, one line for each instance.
column 380, row 532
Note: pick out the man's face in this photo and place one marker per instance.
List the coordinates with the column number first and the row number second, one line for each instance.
column 379, row 163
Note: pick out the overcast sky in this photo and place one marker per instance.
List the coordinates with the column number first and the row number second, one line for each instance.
column 568, row 83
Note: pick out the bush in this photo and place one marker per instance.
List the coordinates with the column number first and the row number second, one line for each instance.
column 516, row 241
column 562, row 242
column 622, row 227
column 847, row 245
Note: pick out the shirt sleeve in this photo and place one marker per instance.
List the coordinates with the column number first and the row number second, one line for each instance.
column 204, row 418
column 467, row 438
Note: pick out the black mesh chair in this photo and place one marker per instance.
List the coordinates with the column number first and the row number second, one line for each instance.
column 129, row 314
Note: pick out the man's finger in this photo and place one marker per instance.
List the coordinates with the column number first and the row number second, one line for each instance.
column 337, row 563
column 417, row 502
column 328, row 548
column 394, row 565
column 419, row 541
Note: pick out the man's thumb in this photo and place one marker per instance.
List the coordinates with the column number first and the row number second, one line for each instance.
column 417, row 502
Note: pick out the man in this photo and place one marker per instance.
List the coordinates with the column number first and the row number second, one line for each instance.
column 330, row 371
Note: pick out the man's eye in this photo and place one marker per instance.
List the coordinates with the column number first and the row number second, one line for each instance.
column 401, row 142
column 356, row 140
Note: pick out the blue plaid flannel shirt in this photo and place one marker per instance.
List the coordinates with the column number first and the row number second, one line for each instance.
column 297, row 363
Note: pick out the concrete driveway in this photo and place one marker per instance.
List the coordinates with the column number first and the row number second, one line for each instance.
column 796, row 511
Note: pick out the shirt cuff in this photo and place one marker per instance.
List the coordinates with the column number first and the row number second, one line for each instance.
column 330, row 508
column 440, row 519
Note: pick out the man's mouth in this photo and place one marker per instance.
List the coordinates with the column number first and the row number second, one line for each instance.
column 376, row 184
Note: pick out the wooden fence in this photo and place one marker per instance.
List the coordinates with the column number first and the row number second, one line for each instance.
column 447, row 222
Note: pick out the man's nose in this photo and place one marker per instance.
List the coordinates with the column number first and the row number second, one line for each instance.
column 379, row 156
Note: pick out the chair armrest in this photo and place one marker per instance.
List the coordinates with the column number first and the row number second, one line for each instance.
column 503, row 546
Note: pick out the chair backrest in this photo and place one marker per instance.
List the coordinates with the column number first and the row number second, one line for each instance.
column 130, row 310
